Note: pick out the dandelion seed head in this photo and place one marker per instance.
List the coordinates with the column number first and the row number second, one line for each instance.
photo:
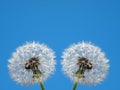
column 97, row 60
column 23, row 54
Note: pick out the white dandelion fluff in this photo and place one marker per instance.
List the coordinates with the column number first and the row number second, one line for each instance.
column 85, row 62
column 30, row 58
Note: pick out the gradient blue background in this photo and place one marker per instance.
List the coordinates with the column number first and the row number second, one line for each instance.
column 59, row 23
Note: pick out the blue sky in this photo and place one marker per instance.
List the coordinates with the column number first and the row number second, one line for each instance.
column 59, row 23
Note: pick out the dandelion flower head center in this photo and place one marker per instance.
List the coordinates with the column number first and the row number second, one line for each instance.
column 32, row 64
column 83, row 64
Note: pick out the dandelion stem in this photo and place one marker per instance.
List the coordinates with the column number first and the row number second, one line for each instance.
column 76, row 82
column 42, row 86
column 75, row 85
column 39, row 76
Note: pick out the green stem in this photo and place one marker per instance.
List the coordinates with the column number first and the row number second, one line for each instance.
column 76, row 82
column 75, row 85
column 41, row 84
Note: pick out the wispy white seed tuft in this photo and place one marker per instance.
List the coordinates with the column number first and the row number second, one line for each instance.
column 93, row 54
column 23, row 54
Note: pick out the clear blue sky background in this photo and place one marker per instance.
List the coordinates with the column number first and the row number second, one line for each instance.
column 59, row 23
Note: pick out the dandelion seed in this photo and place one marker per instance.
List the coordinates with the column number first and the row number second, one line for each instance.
column 32, row 63
column 85, row 63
